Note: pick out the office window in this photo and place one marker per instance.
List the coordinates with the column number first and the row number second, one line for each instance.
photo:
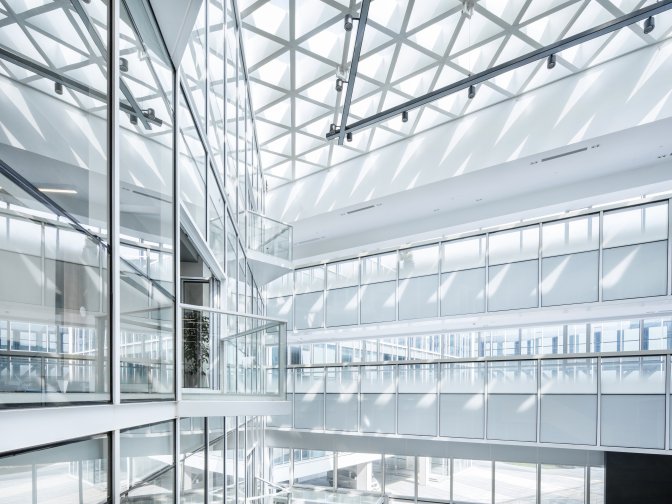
column 147, row 461
column 71, row 472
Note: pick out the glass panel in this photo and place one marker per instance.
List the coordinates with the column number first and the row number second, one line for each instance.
column 279, row 469
column 615, row 336
column 515, row 482
column 400, row 476
column 562, row 484
column 360, row 471
column 314, row 468
column 512, row 377
column 54, row 224
column 72, row 472
column 379, row 268
column 472, row 481
column 463, row 254
column 433, row 478
column 216, row 459
column 514, row 245
column 216, row 220
column 635, row 225
column 192, row 460
column 343, row 274
column 309, row 279
column 146, row 161
column 597, row 481
column 569, row 376
column 463, row 378
column 147, row 462
column 419, row 261
column 193, row 64
column 633, row 375
column 657, row 334
column 570, row 236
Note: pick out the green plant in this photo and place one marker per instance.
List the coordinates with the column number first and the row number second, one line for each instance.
column 196, row 341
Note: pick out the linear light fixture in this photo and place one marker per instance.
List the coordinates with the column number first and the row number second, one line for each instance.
column 56, row 190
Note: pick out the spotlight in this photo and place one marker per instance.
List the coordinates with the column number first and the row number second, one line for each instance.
column 550, row 63
column 332, row 128
column 649, row 25
column 123, row 64
column 404, row 116
column 347, row 22
column 339, row 84
column 348, row 136
column 149, row 113
column 472, row 92
column 134, row 119
column 58, row 88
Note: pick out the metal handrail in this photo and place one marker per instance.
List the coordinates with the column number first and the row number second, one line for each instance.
column 184, row 306
column 498, row 358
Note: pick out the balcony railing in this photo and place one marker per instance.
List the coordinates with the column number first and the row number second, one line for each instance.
column 620, row 401
column 269, row 236
column 231, row 354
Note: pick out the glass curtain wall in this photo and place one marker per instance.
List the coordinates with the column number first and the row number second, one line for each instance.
column 426, row 479
column 148, row 237
column 54, row 205
column 597, row 336
column 617, row 254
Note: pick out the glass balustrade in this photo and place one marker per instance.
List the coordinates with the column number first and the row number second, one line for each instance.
column 227, row 353
column 269, row 236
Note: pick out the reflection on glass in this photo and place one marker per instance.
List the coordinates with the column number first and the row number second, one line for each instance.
column 400, row 476
column 314, row 468
column 359, row 471
column 73, row 472
column 433, row 478
column 147, row 462
column 216, row 459
column 192, row 460
column 54, row 211
column 146, row 178
column 560, row 483
column 515, row 482
column 472, row 481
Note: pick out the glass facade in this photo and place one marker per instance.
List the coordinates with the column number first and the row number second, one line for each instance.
column 428, row 479
column 132, row 225
column 616, row 254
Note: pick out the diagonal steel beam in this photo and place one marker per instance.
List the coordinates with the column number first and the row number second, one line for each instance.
column 48, row 73
column 541, row 53
column 137, row 111
column 359, row 38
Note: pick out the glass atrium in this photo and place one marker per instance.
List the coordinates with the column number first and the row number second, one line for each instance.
column 335, row 251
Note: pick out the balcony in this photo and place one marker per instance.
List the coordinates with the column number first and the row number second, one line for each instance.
column 227, row 355
column 614, row 401
column 269, row 247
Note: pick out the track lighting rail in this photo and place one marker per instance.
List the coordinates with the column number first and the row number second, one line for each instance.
column 544, row 52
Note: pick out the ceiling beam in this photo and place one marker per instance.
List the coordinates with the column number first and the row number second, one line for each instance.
column 541, row 53
column 359, row 38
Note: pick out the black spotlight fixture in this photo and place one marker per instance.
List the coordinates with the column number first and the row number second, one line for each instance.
column 332, row 128
column 348, row 22
column 58, row 88
column 551, row 61
column 348, row 136
column 339, row 84
column 649, row 25
column 149, row 113
column 472, row 92
column 404, row 116
column 134, row 119
column 123, row 64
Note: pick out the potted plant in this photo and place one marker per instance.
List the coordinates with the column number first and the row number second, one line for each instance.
column 196, row 344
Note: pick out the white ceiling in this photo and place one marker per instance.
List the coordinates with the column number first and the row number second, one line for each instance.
column 294, row 51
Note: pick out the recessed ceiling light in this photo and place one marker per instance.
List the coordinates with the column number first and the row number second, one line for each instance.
column 56, row 190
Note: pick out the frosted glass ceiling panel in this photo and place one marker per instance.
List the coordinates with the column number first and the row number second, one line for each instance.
column 409, row 49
